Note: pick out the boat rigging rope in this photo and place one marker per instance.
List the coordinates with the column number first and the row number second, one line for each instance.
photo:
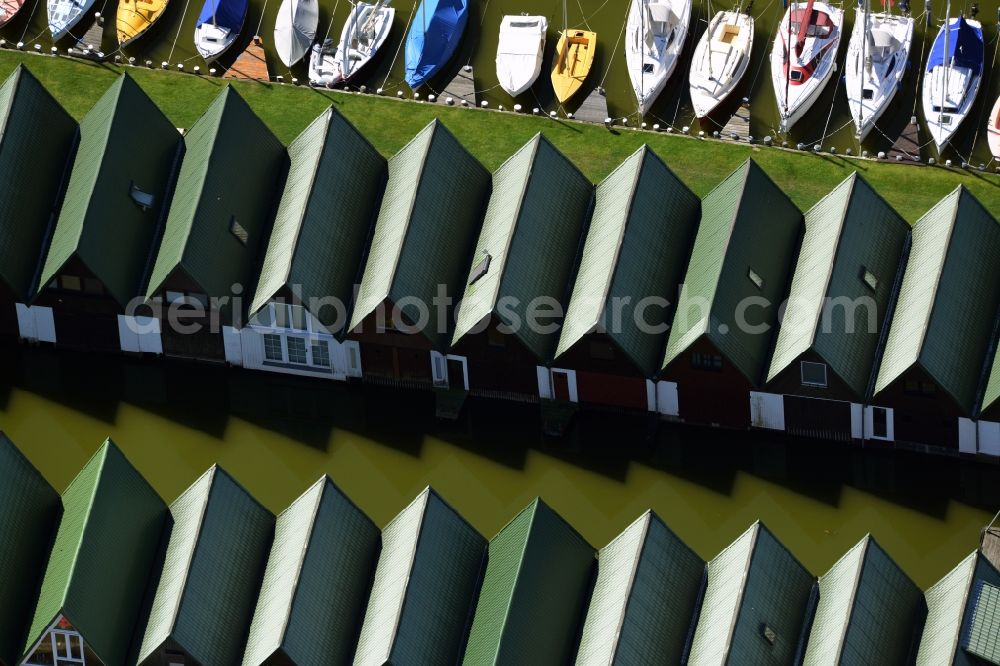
column 180, row 25
column 614, row 52
column 983, row 99
column 28, row 23
column 329, row 26
column 919, row 77
column 261, row 21
column 406, row 30
column 481, row 19
column 763, row 58
column 582, row 14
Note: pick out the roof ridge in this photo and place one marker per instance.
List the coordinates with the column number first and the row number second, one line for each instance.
column 865, row 544
column 101, row 459
column 533, row 507
column 325, row 483
column 852, row 179
column 647, row 517
column 425, row 496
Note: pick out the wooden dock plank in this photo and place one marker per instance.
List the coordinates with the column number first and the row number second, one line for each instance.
column 462, row 87
column 907, row 145
column 594, row 108
column 90, row 45
column 738, row 126
column 251, row 65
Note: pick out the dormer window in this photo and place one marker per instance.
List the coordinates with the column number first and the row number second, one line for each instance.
column 481, row 269
column 144, row 200
column 869, row 278
column 237, row 230
column 755, row 277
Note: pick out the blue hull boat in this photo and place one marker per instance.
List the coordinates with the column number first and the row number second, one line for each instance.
column 436, row 31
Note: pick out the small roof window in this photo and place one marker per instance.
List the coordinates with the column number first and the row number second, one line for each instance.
column 869, row 278
column 481, row 269
column 144, row 200
column 755, row 277
column 236, row 229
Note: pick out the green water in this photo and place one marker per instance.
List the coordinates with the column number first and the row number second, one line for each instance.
column 277, row 435
column 172, row 40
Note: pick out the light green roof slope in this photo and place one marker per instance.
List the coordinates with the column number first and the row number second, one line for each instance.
column 29, row 513
column 637, row 246
column 531, row 234
column 36, row 137
column 331, row 195
column 426, row 226
column 643, row 602
column 947, row 304
column 754, row 585
column 215, row 557
column 533, row 593
column 103, row 554
column 125, row 141
column 850, row 231
column 231, row 171
column 950, row 606
column 991, row 393
column 312, row 600
column 425, row 586
column 981, row 637
column 733, row 239
column 868, row 611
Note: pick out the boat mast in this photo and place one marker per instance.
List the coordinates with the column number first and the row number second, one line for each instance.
column 865, row 65
column 947, row 59
column 788, row 65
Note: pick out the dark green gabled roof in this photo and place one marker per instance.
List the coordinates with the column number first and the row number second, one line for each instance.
column 426, row 226
column 312, row 600
column 533, row 593
column 531, row 234
column 867, row 613
column 331, row 196
column 231, row 171
column 637, row 246
column 734, row 238
column 951, row 604
column 752, row 584
column 103, row 554
column 125, row 141
column 850, row 231
column 947, row 305
column 36, row 137
column 206, row 590
column 425, row 586
column 628, row 621
column 29, row 513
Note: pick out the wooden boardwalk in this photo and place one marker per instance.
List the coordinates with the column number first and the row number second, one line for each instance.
column 989, row 542
column 594, row 108
column 251, row 65
column 462, row 87
column 907, row 145
column 738, row 126
column 89, row 46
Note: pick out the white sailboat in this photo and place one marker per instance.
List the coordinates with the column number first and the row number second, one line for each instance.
column 804, row 57
column 65, row 14
column 218, row 26
column 877, row 57
column 295, row 29
column 720, row 60
column 951, row 80
column 520, row 51
column 364, row 33
column 655, row 34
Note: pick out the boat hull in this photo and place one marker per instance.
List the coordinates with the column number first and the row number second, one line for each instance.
column 520, row 51
column 434, row 36
column 874, row 68
column 135, row 17
column 574, row 58
column 8, row 10
column 720, row 60
column 64, row 15
column 330, row 66
column 218, row 27
column 993, row 130
column 957, row 84
column 295, row 29
column 655, row 32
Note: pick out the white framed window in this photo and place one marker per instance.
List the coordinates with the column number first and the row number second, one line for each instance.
column 296, row 350
column 813, row 374
column 321, row 353
column 272, row 347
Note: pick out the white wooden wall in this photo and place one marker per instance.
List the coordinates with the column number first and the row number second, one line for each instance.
column 140, row 334
column 767, row 410
column 966, row 435
column 666, row 398
column 989, row 437
column 36, row 323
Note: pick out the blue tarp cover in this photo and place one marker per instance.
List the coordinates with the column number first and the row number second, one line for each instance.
column 436, row 30
column 965, row 44
column 228, row 13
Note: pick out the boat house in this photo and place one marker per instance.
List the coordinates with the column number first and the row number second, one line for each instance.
column 29, row 514
column 104, row 551
column 427, row 223
column 868, row 611
column 216, row 547
column 754, row 604
column 727, row 312
column 627, row 620
column 114, row 205
column 988, row 427
column 37, row 140
column 637, row 247
column 220, row 216
column 522, row 264
column 316, row 584
column 534, row 592
column 847, row 273
column 424, row 592
column 300, row 310
column 938, row 346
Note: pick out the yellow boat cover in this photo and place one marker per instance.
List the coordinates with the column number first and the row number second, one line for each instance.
column 574, row 56
column 136, row 16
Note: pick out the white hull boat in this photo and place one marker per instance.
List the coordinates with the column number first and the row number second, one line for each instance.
column 952, row 78
column 720, row 60
column 218, row 26
column 804, row 57
column 295, row 29
column 520, row 51
column 364, row 33
column 65, row 14
column 993, row 130
column 877, row 58
column 655, row 33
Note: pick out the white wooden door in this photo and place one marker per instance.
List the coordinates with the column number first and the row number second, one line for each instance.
column 666, row 399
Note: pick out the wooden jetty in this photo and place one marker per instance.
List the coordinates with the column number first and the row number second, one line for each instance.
column 462, row 87
column 738, row 127
column 594, row 108
column 89, row 46
column 907, row 145
column 989, row 541
column 251, row 65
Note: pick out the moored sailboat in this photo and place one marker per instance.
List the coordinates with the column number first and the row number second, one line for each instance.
column 993, row 130
column 434, row 35
column 951, row 80
column 655, row 33
column 8, row 9
column 218, row 26
column 135, row 17
column 65, row 14
column 575, row 52
column 520, row 51
column 877, row 58
column 804, row 57
column 720, row 60
column 295, row 29
column 364, row 33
